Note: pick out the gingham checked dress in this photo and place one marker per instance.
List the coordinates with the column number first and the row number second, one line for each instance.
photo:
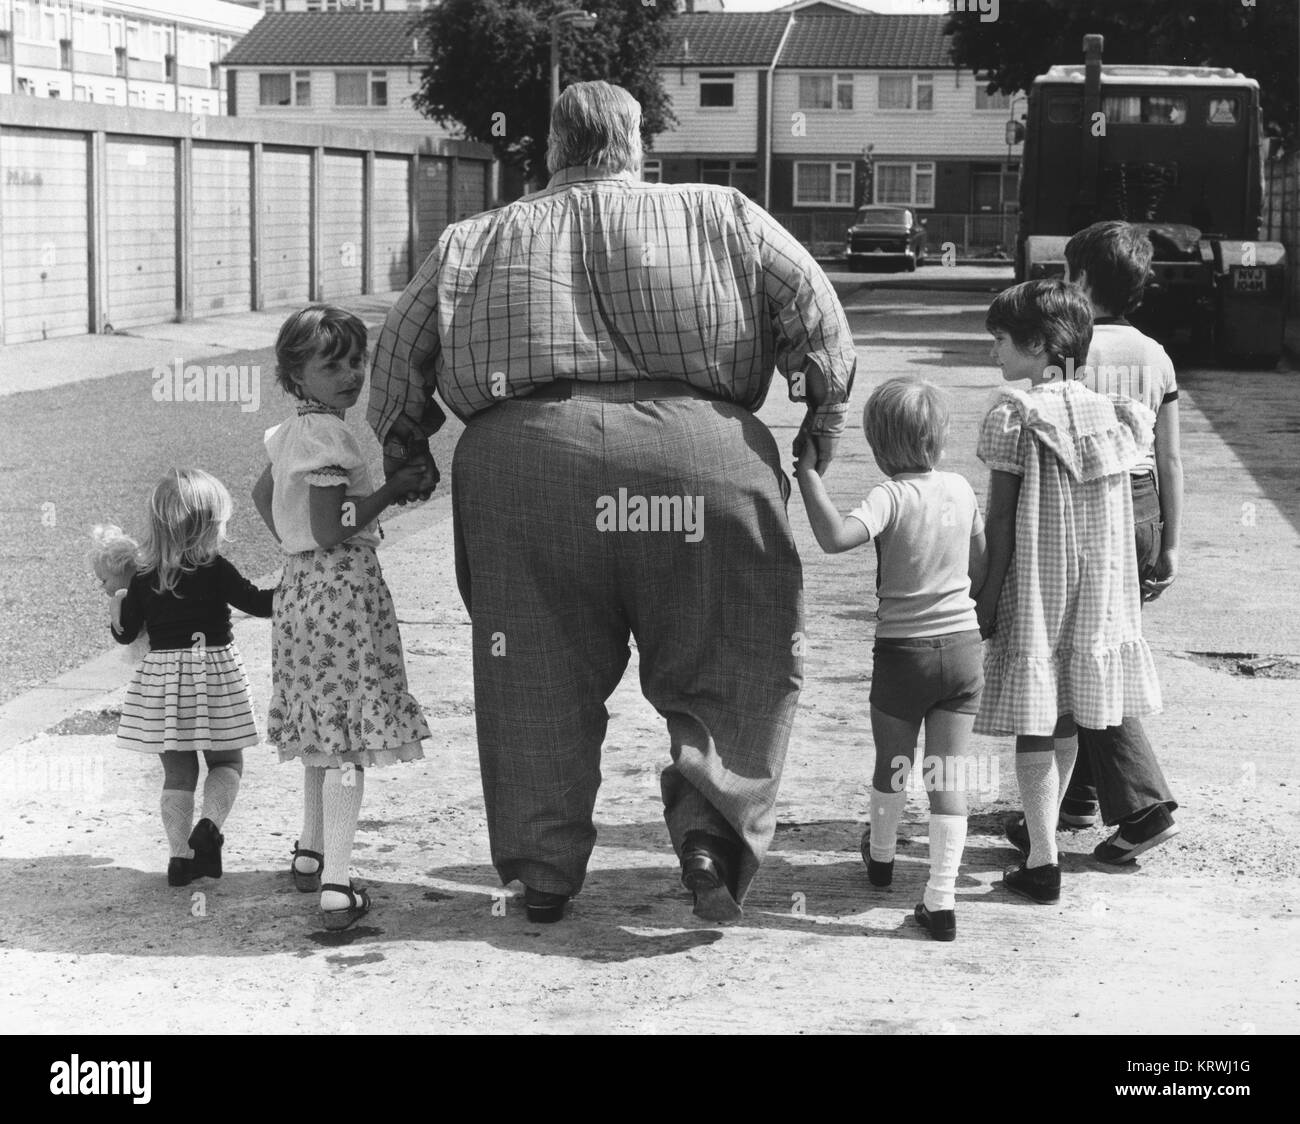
column 1068, row 628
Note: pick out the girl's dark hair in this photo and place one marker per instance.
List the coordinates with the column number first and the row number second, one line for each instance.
column 1052, row 313
column 318, row 329
column 1117, row 257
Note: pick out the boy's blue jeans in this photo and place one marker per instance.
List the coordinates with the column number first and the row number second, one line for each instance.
column 1117, row 767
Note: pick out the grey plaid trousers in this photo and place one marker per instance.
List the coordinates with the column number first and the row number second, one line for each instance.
column 554, row 590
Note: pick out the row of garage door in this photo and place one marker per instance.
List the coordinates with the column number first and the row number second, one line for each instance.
column 46, row 232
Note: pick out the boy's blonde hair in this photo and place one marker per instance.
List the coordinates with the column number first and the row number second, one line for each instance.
column 188, row 512
column 906, row 423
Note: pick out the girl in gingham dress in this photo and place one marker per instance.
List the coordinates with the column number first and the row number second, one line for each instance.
column 190, row 694
column 1061, row 597
column 339, row 701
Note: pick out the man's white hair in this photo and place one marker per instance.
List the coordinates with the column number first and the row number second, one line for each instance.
column 595, row 123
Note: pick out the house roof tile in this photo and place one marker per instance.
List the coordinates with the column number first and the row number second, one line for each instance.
column 329, row 39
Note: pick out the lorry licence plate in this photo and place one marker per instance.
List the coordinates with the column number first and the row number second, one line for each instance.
column 1249, row 281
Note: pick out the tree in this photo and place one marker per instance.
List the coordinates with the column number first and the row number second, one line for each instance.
column 1028, row 36
column 489, row 70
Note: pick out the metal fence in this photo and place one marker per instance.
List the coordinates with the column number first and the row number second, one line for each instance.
column 113, row 217
column 1282, row 216
column 970, row 236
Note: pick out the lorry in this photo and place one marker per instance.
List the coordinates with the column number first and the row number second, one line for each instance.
column 1175, row 150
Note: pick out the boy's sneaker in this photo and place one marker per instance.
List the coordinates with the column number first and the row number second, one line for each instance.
column 1137, row 835
column 878, row 873
column 206, row 840
column 1076, row 814
column 1040, row 884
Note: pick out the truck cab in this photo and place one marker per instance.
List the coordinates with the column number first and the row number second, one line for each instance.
column 1177, row 151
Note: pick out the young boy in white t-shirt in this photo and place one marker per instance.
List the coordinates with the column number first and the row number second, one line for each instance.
column 927, row 659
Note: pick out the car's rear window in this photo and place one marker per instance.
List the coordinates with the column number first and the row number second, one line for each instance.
column 886, row 215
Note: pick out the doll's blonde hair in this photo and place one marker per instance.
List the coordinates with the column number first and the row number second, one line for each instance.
column 114, row 551
column 188, row 512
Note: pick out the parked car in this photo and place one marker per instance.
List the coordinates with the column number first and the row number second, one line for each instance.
column 886, row 233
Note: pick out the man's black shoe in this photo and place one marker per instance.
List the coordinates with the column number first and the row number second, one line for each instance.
column 543, row 908
column 707, row 871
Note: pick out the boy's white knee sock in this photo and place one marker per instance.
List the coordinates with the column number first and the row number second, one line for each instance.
column 178, row 821
column 886, row 811
column 947, row 840
column 1040, row 792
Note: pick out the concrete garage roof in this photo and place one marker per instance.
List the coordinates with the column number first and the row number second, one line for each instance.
column 329, row 39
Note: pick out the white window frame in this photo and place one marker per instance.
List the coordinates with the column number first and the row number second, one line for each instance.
column 916, row 169
column 717, row 78
column 838, row 168
column 839, row 82
column 918, row 81
column 369, row 79
column 294, row 76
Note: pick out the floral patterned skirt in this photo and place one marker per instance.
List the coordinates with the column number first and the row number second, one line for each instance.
column 339, row 680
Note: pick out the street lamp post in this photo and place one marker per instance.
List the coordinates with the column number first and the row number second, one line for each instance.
column 577, row 17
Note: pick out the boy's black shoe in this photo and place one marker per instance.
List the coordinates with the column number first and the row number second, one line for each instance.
column 180, row 872
column 1040, row 884
column 1137, row 835
column 206, row 841
column 878, row 873
column 941, row 924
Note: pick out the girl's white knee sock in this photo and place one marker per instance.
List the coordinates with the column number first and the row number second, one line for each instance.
column 341, row 802
column 1040, row 792
column 220, row 788
column 886, row 812
column 313, row 817
column 178, row 821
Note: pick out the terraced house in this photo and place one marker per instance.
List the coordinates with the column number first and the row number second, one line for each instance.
column 819, row 108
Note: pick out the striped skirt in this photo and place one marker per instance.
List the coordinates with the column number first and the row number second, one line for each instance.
column 186, row 700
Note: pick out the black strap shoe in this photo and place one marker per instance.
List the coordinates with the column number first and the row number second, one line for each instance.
column 941, row 924
column 206, row 842
column 1040, row 884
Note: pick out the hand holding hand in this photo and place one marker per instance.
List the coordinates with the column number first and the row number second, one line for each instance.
column 414, row 479
column 1163, row 574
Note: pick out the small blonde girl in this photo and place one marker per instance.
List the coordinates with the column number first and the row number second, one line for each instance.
column 339, row 700
column 190, row 693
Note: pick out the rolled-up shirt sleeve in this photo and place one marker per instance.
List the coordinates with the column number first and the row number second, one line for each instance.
column 808, row 320
column 402, row 376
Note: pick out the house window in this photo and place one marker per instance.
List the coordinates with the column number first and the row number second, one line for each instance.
column 906, row 91
column 826, row 91
column 740, row 174
column 823, row 184
column 275, row 89
column 379, row 87
column 910, row 184
column 110, row 96
column 25, row 86
column 184, row 104
column 160, row 100
column 169, row 68
column 65, row 54
column 717, row 90
column 119, row 61
column 6, row 47
column 652, row 171
column 214, row 75
column 1001, row 102
column 80, row 93
column 350, row 88
column 285, row 89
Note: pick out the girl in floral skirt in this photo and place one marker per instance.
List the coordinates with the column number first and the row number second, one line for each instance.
column 340, row 701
